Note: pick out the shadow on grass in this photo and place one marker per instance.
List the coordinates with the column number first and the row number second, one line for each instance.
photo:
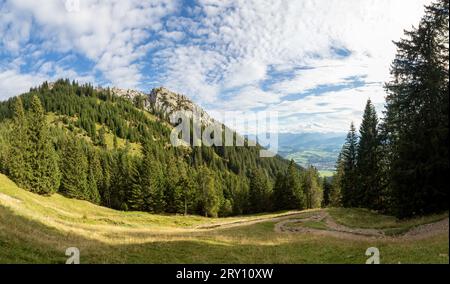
column 27, row 241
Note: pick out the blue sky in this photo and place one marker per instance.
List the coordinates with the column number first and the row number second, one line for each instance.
column 315, row 62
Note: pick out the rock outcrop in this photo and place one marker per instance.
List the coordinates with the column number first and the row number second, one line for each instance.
column 169, row 102
column 166, row 102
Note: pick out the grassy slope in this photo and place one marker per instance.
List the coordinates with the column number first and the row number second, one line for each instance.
column 37, row 229
column 363, row 218
column 57, row 121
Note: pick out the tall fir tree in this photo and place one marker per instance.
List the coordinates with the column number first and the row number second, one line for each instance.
column 294, row 195
column 136, row 200
column 336, row 185
column 186, row 186
column 349, row 180
column 94, row 176
column 45, row 175
column 157, row 200
column 327, row 190
column 260, row 192
column 416, row 120
column 95, row 166
column 92, row 189
column 105, row 190
column 18, row 159
column 279, row 192
column 123, row 184
column 173, row 193
column 312, row 188
column 368, row 161
column 74, row 168
column 151, row 181
column 208, row 197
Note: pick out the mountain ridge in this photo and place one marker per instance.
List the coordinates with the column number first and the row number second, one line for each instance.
column 165, row 101
column 97, row 130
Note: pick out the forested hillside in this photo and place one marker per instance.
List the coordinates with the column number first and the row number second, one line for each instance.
column 90, row 144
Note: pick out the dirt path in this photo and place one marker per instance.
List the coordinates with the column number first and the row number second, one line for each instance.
column 286, row 224
column 427, row 230
column 238, row 223
column 337, row 230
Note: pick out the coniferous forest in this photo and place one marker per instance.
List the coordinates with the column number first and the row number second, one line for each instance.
column 88, row 144
column 399, row 164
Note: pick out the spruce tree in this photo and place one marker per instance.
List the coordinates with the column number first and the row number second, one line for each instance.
column 173, row 193
column 45, row 175
column 94, row 176
column 368, row 161
column 92, row 189
column 107, row 162
column 260, row 192
column 312, row 188
column 327, row 189
column 5, row 133
column 416, row 120
column 136, row 200
column 288, row 193
column 96, row 167
column 349, row 187
column 74, row 168
column 186, row 186
column 209, row 198
column 157, row 199
column 18, row 161
column 336, row 186
column 151, row 181
column 279, row 192
column 123, row 184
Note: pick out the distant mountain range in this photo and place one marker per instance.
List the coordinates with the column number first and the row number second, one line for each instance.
column 318, row 149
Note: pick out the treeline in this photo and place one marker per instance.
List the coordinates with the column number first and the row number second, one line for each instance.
column 75, row 160
column 400, row 165
column 90, row 107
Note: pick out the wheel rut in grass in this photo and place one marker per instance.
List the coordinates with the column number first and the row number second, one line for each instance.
column 322, row 223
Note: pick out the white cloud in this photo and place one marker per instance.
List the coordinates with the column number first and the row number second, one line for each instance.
column 245, row 72
column 13, row 83
column 226, row 55
column 189, row 70
column 331, row 112
column 242, row 40
column 324, row 73
column 249, row 98
column 110, row 33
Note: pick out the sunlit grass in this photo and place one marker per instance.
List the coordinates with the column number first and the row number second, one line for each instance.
column 363, row 218
column 38, row 229
column 318, row 225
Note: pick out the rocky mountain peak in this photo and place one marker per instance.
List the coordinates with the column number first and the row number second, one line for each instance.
column 169, row 102
column 163, row 100
column 127, row 93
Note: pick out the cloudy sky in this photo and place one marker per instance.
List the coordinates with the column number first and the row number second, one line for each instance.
column 316, row 62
